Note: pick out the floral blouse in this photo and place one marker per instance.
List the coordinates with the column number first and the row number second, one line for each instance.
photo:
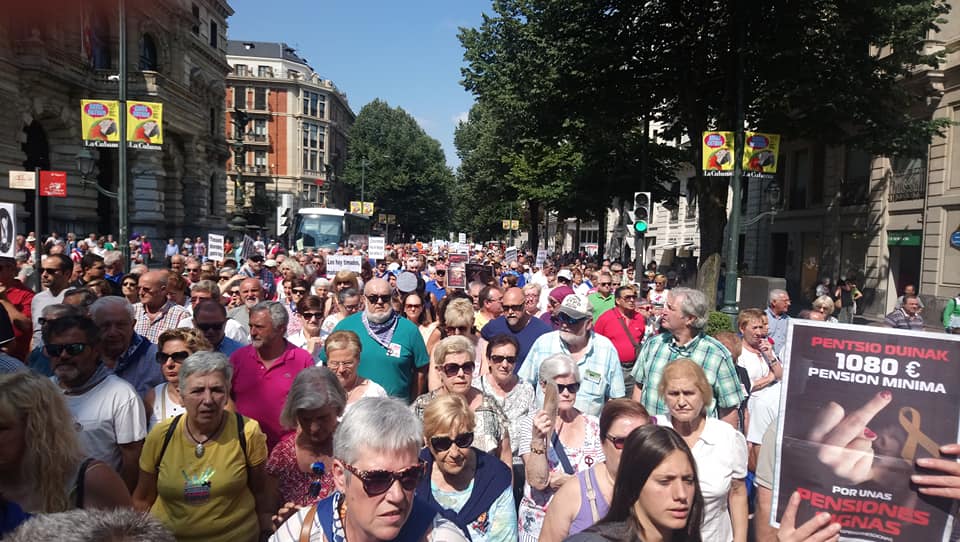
column 516, row 405
column 491, row 423
column 293, row 484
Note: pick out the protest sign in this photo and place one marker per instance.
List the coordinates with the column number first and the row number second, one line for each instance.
column 541, row 257
column 8, row 230
column 859, row 404
column 510, row 255
column 479, row 273
column 375, row 248
column 336, row 262
column 215, row 247
column 457, row 273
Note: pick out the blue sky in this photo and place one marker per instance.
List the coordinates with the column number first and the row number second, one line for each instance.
column 405, row 53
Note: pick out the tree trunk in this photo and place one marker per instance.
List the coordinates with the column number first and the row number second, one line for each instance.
column 534, row 207
column 713, row 219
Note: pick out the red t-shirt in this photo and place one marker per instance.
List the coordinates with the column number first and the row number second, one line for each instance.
column 21, row 298
column 610, row 327
column 259, row 393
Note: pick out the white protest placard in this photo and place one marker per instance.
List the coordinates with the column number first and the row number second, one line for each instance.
column 215, row 247
column 510, row 255
column 23, row 180
column 337, row 262
column 541, row 257
column 462, row 238
column 8, row 230
column 376, row 248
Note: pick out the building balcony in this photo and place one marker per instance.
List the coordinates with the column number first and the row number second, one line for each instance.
column 256, row 139
column 908, row 184
column 255, row 170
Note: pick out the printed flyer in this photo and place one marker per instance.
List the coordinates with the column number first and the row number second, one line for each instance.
column 457, row 271
column 858, row 406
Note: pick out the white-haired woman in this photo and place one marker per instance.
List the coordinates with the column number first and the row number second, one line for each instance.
column 554, row 446
column 454, row 360
column 343, row 358
column 202, row 473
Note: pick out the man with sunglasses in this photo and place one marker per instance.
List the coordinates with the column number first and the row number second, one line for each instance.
column 110, row 419
column 625, row 326
column 602, row 300
column 127, row 353
column 436, row 288
column 210, row 318
column 597, row 360
column 55, row 271
column 393, row 353
column 376, row 469
column 517, row 322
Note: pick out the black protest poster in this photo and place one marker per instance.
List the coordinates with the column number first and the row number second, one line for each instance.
column 858, row 406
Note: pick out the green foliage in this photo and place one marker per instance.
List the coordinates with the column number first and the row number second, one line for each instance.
column 405, row 172
column 717, row 322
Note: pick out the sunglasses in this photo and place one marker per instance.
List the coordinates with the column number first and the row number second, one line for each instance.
column 299, row 291
column 604, row 283
column 516, row 308
column 500, row 359
column 378, row 482
column 441, row 272
column 410, row 306
column 442, row 444
column 381, row 299
column 573, row 388
column 311, row 315
column 234, row 292
column 457, row 330
column 629, row 297
column 210, row 327
column 565, row 318
column 452, row 369
column 54, row 350
column 177, row 357
column 618, row 442
column 49, row 270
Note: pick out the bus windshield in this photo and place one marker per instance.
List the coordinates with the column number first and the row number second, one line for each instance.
column 320, row 231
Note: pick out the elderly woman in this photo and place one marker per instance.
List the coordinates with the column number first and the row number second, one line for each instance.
column 454, row 362
column 174, row 346
column 310, row 336
column 290, row 269
column 296, row 289
column 202, row 473
column 43, row 467
column 177, row 289
column 515, row 396
column 531, row 298
column 554, row 445
column 582, row 501
column 343, row 358
column 825, row 305
column 472, row 486
column 315, row 402
column 719, row 449
column 321, row 289
column 456, row 318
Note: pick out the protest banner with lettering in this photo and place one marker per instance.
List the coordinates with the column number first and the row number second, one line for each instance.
column 457, row 272
column 336, row 262
column 858, row 406
column 376, row 248
column 215, row 247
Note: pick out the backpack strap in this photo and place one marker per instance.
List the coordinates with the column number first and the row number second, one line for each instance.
column 166, row 440
column 81, row 481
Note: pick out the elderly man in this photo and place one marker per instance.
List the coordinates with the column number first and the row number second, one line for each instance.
column 517, row 322
column 16, row 300
column 491, row 306
column 38, row 360
column 155, row 313
column 177, row 263
column 376, row 470
column 907, row 316
column 55, row 273
column 207, row 289
column 107, row 410
column 210, row 318
column 778, row 319
column 682, row 336
column 192, row 267
column 251, row 293
column 113, row 262
column 626, row 327
column 264, row 370
column 602, row 300
column 128, row 354
column 254, row 268
column 597, row 361
column 393, row 353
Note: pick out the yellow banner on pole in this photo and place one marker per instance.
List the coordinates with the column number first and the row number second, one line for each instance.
column 145, row 124
column 356, row 207
column 367, row 208
column 99, row 123
column 506, row 224
column 718, row 154
column 760, row 152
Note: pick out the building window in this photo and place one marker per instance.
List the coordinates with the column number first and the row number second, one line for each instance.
column 240, row 97
column 801, row 168
column 213, row 35
column 312, row 146
column 240, row 70
column 855, row 184
column 195, row 10
column 264, row 71
column 293, row 74
column 260, row 99
column 312, row 193
column 260, row 127
column 260, row 159
column 313, row 104
column 908, row 178
column 148, row 53
column 213, row 194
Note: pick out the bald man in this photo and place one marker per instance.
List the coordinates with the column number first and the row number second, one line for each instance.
column 251, row 293
column 393, row 353
column 155, row 313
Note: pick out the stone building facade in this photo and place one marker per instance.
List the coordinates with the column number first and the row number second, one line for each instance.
column 53, row 54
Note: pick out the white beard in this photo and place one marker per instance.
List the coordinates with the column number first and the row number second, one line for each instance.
column 379, row 318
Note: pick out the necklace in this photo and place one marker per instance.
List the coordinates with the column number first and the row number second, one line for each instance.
column 199, row 449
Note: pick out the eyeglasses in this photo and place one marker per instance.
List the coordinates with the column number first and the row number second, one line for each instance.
column 517, row 308
column 213, row 326
column 457, row 330
column 442, row 444
column 316, row 262
column 351, row 308
column 311, row 315
column 378, row 299
column 411, row 306
column 441, row 272
column 618, row 442
column 500, row 359
column 565, row 318
column 629, row 298
column 54, row 350
column 177, row 357
column 378, row 482
column 334, row 365
column 234, row 292
column 573, row 388
column 193, row 270
column 452, row 369
column 604, row 283
column 658, row 283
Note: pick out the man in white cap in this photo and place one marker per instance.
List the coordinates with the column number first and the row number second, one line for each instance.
column 597, row 361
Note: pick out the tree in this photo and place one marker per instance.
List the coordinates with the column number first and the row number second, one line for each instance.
column 400, row 168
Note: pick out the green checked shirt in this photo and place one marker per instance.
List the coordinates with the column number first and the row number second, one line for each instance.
column 716, row 361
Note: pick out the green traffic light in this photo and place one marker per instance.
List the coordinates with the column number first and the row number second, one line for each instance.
column 640, row 226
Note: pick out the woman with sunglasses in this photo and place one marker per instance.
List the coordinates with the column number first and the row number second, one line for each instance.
column 555, row 445
column 515, row 397
column 413, row 310
column 584, row 500
column 457, row 319
column 659, row 293
column 296, row 291
column 315, row 403
column 454, row 362
column 472, row 487
column 128, row 287
column 173, row 346
column 719, row 449
column 310, row 337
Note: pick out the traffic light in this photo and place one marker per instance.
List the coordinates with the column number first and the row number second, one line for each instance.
column 642, row 205
column 284, row 220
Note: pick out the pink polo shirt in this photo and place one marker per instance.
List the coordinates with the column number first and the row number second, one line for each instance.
column 259, row 393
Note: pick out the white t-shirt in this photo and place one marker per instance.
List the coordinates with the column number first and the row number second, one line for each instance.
column 233, row 329
column 109, row 414
column 163, row 407
column 721, row 455
column 763, row 403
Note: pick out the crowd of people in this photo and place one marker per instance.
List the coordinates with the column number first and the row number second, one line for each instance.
column 266, row 398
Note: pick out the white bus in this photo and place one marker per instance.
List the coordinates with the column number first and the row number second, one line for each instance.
column 317, row 227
